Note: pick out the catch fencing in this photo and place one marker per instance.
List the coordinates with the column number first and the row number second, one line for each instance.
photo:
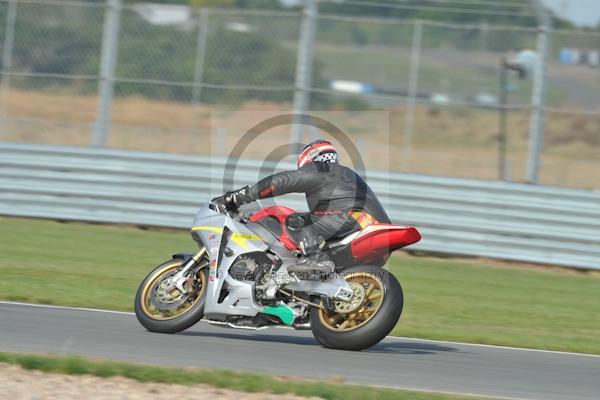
column 500, row 220
column 144, row 76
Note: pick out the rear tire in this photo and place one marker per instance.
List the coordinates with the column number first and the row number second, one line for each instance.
column 355, row 330
column 180, row 319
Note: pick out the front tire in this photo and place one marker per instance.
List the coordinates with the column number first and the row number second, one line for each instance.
column 367, row 319
column 170, row 312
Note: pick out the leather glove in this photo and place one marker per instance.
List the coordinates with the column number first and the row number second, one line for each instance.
column 238, row 197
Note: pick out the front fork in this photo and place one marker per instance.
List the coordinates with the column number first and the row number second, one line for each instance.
column 180, row 277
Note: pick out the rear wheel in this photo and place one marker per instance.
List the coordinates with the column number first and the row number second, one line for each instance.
column 161, row 307
column 370, row 316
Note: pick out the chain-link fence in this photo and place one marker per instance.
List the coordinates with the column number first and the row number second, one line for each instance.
column 149, row 77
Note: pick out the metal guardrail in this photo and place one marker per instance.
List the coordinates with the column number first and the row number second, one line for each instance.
column 456, row 216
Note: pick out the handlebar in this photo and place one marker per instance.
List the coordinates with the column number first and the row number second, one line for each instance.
column 222, row 207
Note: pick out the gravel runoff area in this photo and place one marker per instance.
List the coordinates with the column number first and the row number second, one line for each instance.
column 19, row 383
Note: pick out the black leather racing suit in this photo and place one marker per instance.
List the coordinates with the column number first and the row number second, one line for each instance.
column 332, row 191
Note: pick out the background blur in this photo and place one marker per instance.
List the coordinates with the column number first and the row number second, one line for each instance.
column 142, row 76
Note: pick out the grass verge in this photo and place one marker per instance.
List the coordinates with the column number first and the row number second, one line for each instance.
column 85, row 265
column 243, row 382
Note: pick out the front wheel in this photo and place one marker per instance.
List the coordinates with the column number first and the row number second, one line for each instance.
column 367, row 318
column 161, row 307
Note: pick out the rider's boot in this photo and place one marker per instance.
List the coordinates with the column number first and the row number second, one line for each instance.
column 314, row 261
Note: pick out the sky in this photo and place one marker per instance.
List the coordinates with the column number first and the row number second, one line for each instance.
column 584, row 13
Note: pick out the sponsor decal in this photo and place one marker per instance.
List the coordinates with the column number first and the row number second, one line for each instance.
column 241, row 239
column 267, row 191
column 246, row 236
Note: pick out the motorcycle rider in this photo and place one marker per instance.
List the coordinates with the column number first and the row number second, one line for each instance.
column 339, row 200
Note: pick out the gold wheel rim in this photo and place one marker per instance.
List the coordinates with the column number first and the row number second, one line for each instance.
column 164, row 315
column 368, row 307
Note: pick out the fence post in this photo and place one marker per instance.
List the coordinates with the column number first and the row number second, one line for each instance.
column 7, row 55
column 536, row 127
column 304, row 66
column 502, row 120
column 108, row 64
column 200, row 55
column 409, row 114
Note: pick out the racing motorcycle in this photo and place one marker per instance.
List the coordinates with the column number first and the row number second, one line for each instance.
column 240, row 278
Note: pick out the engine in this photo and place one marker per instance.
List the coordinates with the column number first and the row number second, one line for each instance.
column 248, row 266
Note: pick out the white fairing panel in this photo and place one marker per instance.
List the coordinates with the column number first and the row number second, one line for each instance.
column 218, row 232
column 211, row 227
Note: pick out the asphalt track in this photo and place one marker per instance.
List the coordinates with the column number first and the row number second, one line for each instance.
column 395, row 362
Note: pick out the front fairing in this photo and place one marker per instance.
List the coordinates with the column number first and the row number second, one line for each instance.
column 207, row 230
column 210, row 226
column 218, row 232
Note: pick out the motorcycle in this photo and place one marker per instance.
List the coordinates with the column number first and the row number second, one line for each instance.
column 240, row 278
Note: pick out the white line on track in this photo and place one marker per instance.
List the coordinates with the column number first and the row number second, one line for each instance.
column 285, row 327
column 16, row 303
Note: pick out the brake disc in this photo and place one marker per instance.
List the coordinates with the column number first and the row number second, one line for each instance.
column 166, row 296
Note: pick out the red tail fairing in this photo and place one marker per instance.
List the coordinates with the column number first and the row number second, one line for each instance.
column 378, row 240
